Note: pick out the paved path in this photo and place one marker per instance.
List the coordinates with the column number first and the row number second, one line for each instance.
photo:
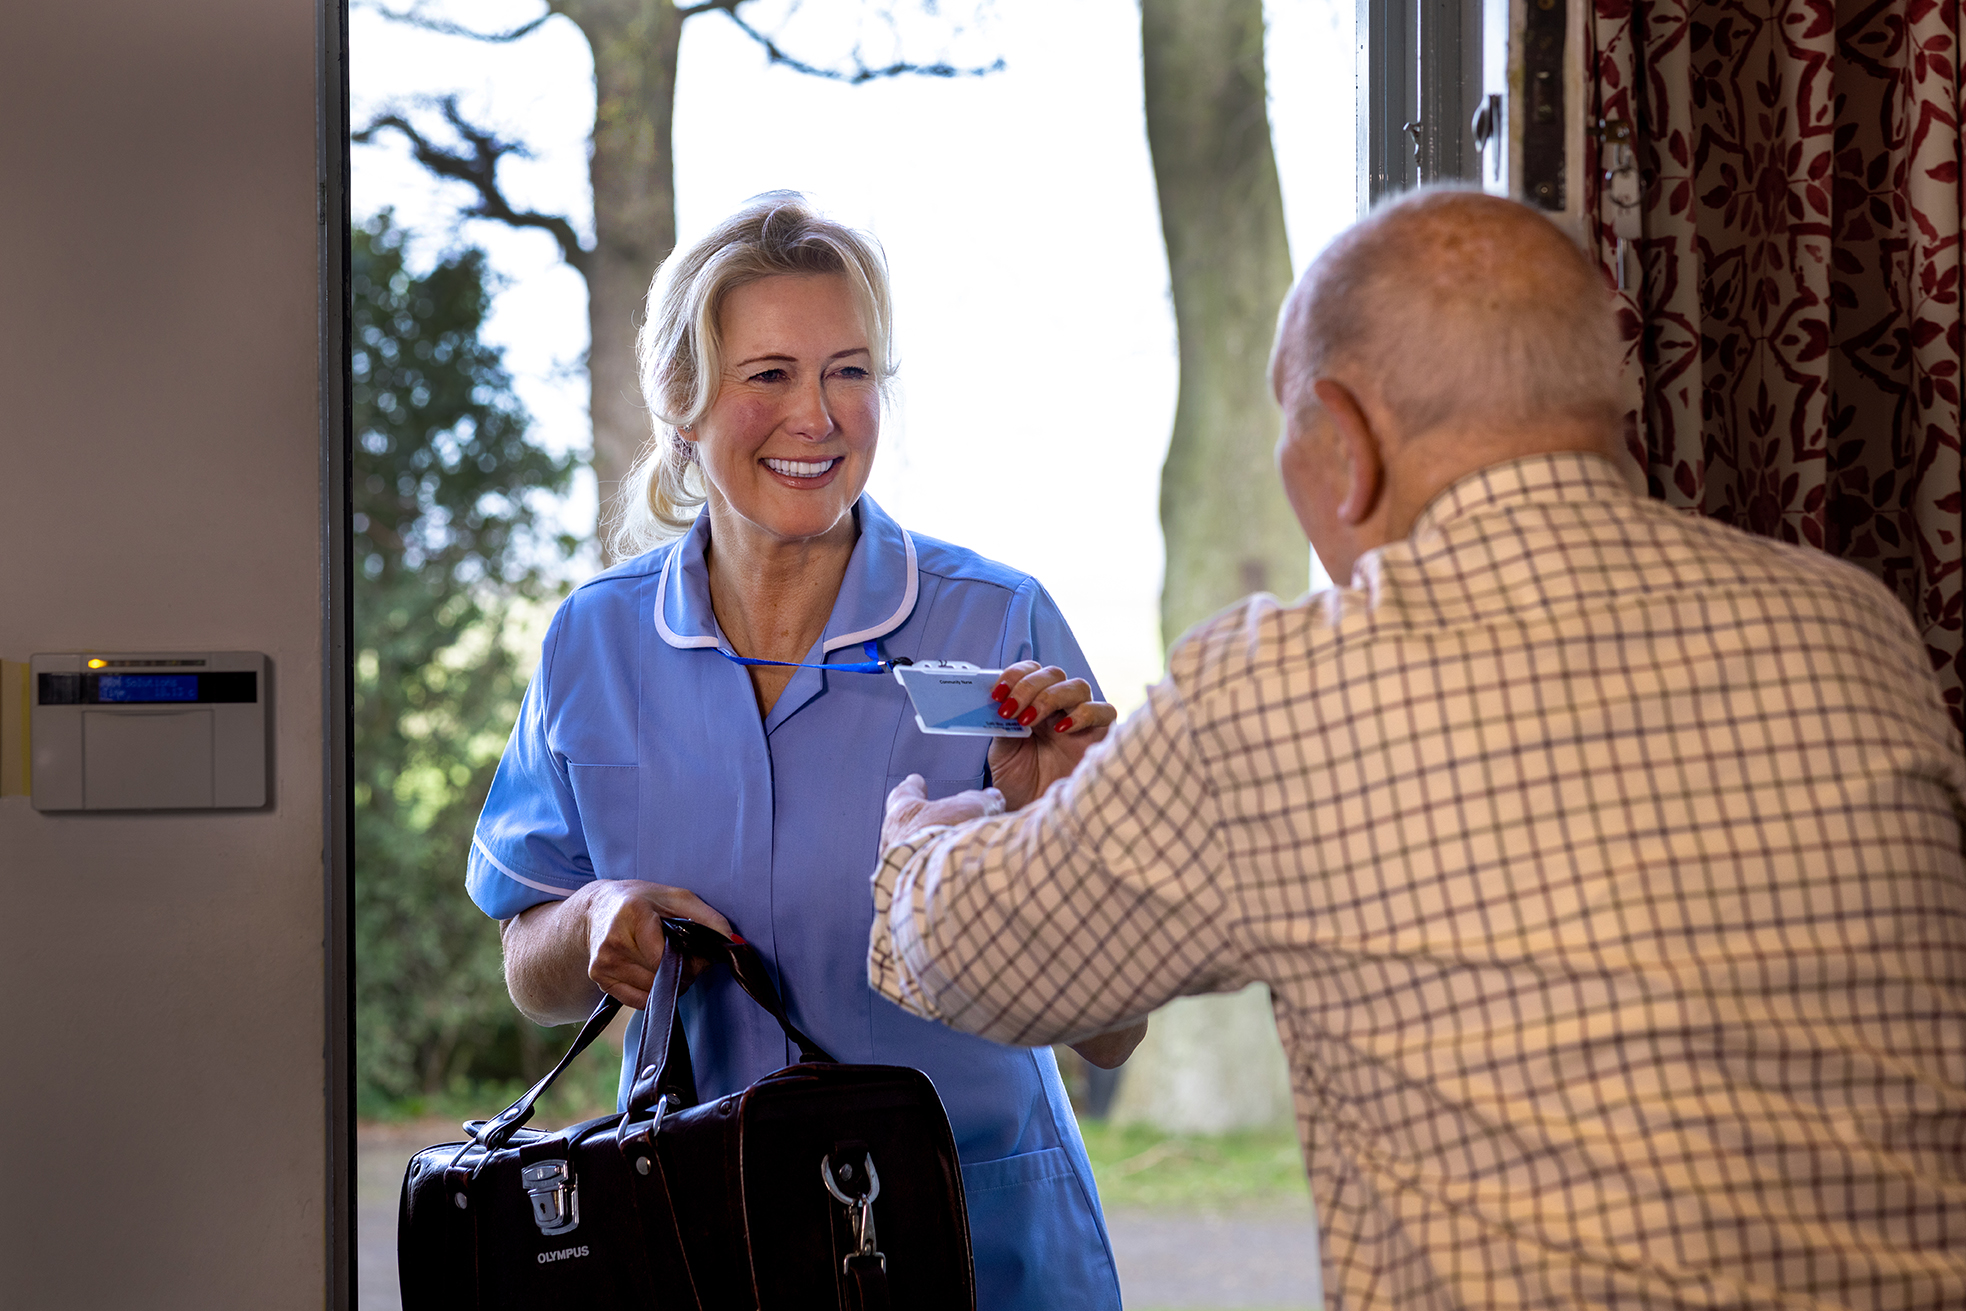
column 1175, row 1259
column 1168, row 1259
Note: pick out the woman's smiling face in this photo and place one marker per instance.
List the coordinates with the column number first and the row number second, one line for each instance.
column 788, row 443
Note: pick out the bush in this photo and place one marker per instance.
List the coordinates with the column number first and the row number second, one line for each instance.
column 449, row 553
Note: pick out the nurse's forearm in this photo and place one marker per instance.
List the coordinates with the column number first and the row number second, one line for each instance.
column 546, row 959
column 606, row 937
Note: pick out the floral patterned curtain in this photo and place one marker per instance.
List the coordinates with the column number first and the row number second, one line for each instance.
column 1793, row 290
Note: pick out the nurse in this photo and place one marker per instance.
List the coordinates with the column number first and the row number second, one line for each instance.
column 656, row 769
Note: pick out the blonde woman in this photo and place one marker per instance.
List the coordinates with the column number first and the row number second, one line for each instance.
column 710, row 734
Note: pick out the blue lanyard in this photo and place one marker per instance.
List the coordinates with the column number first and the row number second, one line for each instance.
column 873, row 664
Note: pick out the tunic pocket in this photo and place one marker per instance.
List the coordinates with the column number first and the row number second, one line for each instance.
column 1037, row 1241
column 608, row 798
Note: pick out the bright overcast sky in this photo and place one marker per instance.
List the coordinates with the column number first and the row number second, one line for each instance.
column 1035, row 332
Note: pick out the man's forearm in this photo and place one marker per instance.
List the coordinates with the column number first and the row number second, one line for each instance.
column 943, row 910
column 1069, row 919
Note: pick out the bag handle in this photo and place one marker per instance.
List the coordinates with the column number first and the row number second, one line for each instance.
column 683, row 938
column 652, row 1059
column 748, row 968
column 495, row 1132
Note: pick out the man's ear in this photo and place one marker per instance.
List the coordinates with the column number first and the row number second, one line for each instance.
column 1358, row 448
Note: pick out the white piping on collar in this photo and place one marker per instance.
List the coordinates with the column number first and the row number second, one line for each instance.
column 670, row 635
column 884, row 627
column 893, row 621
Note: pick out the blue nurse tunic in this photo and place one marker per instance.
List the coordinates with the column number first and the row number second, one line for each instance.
column 639, row 754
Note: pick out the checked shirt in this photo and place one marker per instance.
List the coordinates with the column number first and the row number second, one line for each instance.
column 1604, row 865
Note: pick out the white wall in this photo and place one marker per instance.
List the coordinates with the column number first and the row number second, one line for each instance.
column 161, row 976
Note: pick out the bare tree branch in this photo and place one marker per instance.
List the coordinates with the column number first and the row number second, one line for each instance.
column 476, row 163
column 854, row 76
column 413, row 17
column 477, row 167
column 774, row 53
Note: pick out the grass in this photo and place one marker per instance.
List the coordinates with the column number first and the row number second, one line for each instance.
column 1137, row 1165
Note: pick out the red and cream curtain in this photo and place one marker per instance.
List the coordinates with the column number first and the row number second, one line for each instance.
column 1793, row 299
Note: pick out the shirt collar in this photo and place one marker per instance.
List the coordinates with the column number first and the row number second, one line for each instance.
column 876, row 596
column 1553, row 476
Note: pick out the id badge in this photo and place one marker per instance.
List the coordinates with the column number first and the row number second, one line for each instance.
column 953, row 697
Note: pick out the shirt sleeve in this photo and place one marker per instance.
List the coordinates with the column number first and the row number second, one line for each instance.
column 1091, row 907
column 529, row 846
column 1035, row 629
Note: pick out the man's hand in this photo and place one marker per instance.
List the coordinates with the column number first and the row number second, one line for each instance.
column 909, row 811
column 1109, row 1051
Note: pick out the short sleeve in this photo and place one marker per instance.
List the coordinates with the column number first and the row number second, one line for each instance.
column 529, row 846
column 1035, row 629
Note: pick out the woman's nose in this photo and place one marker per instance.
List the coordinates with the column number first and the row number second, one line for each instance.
column 810, row 416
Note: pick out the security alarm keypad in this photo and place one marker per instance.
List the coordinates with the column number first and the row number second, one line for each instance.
column 150, row 731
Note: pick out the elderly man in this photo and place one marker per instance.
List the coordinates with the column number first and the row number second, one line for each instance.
column 1604, row 862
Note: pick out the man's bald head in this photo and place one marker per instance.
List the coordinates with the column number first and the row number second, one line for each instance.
column 1459, row 311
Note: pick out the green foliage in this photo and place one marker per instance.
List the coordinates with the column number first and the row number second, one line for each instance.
column 448, row 548
column 1138, row 1165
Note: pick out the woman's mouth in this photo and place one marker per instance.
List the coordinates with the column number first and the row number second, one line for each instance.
column 803, row 468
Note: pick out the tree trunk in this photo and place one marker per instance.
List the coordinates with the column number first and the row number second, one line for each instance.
column 1211, row 1064
column 1228, row 529
column 634, row 179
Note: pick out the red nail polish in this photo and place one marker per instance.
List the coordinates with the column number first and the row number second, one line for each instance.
column 1029, row 717
column 1008, row 710
column 1063, row 726
column 1000, row 691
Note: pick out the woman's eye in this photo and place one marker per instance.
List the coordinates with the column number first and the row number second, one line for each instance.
column 769, row 375
column 854, row 372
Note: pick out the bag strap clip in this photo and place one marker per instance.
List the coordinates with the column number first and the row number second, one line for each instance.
column 859, row 1204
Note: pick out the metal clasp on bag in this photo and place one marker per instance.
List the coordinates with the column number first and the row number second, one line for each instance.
column 860, row 1209
column 555, row 1196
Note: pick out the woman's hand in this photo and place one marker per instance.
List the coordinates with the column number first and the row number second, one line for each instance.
column 1064, row 721
column 607, row 937
column 624, row 934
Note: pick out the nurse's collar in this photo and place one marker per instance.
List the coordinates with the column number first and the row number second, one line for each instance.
column 872, row 558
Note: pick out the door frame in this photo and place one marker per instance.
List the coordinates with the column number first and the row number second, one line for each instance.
column 337, row 648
